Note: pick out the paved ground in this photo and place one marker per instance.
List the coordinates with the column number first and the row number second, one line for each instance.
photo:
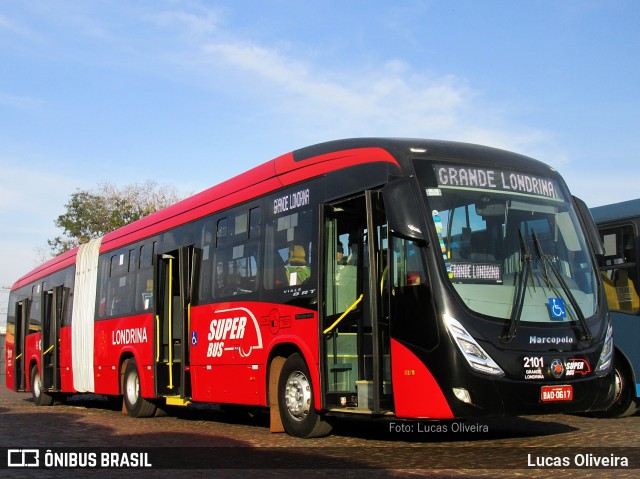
column 238, row 444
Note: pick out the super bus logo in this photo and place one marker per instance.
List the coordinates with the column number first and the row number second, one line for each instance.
column 234, row 329
column 577, row 366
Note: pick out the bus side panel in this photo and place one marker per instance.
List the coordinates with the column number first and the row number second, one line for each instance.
column 625, row 328
column 66, row 370
column 230, row 345
column 229, row 384
column 123, row 336
column 416, row 392
column 9, row 361
column 32, row 356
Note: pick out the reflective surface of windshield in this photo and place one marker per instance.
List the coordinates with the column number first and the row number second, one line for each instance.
column 511, row 244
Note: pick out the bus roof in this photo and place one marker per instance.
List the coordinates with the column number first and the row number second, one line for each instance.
column 298, row 165
column 616, row 211
column 280, row 172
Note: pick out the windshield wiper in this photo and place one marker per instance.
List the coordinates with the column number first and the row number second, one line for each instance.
column 546, row 261
column 518, row 300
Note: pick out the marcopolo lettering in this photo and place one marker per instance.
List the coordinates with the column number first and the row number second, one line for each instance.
column 459, row 176
column 550, row 340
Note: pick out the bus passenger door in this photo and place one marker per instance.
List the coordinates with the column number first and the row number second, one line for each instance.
column 52, row 301
column 354, row 327
column 173, row 286
column 189, row 257
column 19, row 344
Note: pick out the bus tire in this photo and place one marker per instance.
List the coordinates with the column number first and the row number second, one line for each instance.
column 295, row 401
column 625, row 403
column 135, row 404
column 40, row 398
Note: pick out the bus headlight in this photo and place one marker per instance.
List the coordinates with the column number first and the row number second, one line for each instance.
column 477, row 357
column 604, row 363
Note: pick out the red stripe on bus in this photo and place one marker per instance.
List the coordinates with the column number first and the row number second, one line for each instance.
column 416, row 392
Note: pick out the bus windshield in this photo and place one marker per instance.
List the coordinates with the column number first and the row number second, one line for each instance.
column 512, row 245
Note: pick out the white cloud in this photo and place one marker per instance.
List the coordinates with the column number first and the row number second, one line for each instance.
column 190, row 42
column 31, row 197
column 29, row 187
column 19, row 102
column 195, row 24
column 310, row 99
column 16, row 28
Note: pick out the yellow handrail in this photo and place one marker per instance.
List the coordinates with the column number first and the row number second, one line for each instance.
column 48, row 350
column 157, row 338
column 188, row 334
column 342, row 316
column 384, row 275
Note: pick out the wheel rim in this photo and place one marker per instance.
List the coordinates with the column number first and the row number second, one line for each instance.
column 298, row 396
column 37, row 387
column 132, row 388
column 619, row 385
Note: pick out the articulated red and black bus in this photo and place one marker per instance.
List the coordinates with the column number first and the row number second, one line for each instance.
column 393, row 278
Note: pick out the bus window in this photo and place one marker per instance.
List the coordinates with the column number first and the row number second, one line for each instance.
column 236, row 256
column 289, row 250
column 297, row 267
column 620, row 272
column 206, row 268
column 35, row 322
column 409, row 268
column 236, row 270
column 486, row 239
column 119, row 299
column 342, row 269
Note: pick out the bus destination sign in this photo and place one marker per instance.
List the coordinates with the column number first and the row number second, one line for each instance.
column 475, row 272
column 492, row 179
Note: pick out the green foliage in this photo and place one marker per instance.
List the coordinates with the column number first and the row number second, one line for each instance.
column 93, row 214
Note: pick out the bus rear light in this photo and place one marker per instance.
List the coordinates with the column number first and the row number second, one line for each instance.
column 463, row 395
column 477, row 358
column 604, row 363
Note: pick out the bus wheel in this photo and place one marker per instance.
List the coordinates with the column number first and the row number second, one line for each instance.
column 295, row 401
column 624, row 403
column 40, row 398
column 136, row 405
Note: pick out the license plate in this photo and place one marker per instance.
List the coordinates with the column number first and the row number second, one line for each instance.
column 556, row 393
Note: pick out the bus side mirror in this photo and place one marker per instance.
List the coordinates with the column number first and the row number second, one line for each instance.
column 402, row 211
column 590, row 227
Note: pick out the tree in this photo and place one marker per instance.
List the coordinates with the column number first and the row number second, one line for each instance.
column 91, row 214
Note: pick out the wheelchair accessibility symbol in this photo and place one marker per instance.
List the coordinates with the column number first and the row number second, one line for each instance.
column 557, row 309
column 194, row 338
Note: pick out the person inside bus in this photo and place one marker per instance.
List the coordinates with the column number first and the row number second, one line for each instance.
column 296, row 268
column 356, row 243
column 340, row 259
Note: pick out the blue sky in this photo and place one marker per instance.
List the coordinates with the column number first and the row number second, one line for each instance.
column 193, row 92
